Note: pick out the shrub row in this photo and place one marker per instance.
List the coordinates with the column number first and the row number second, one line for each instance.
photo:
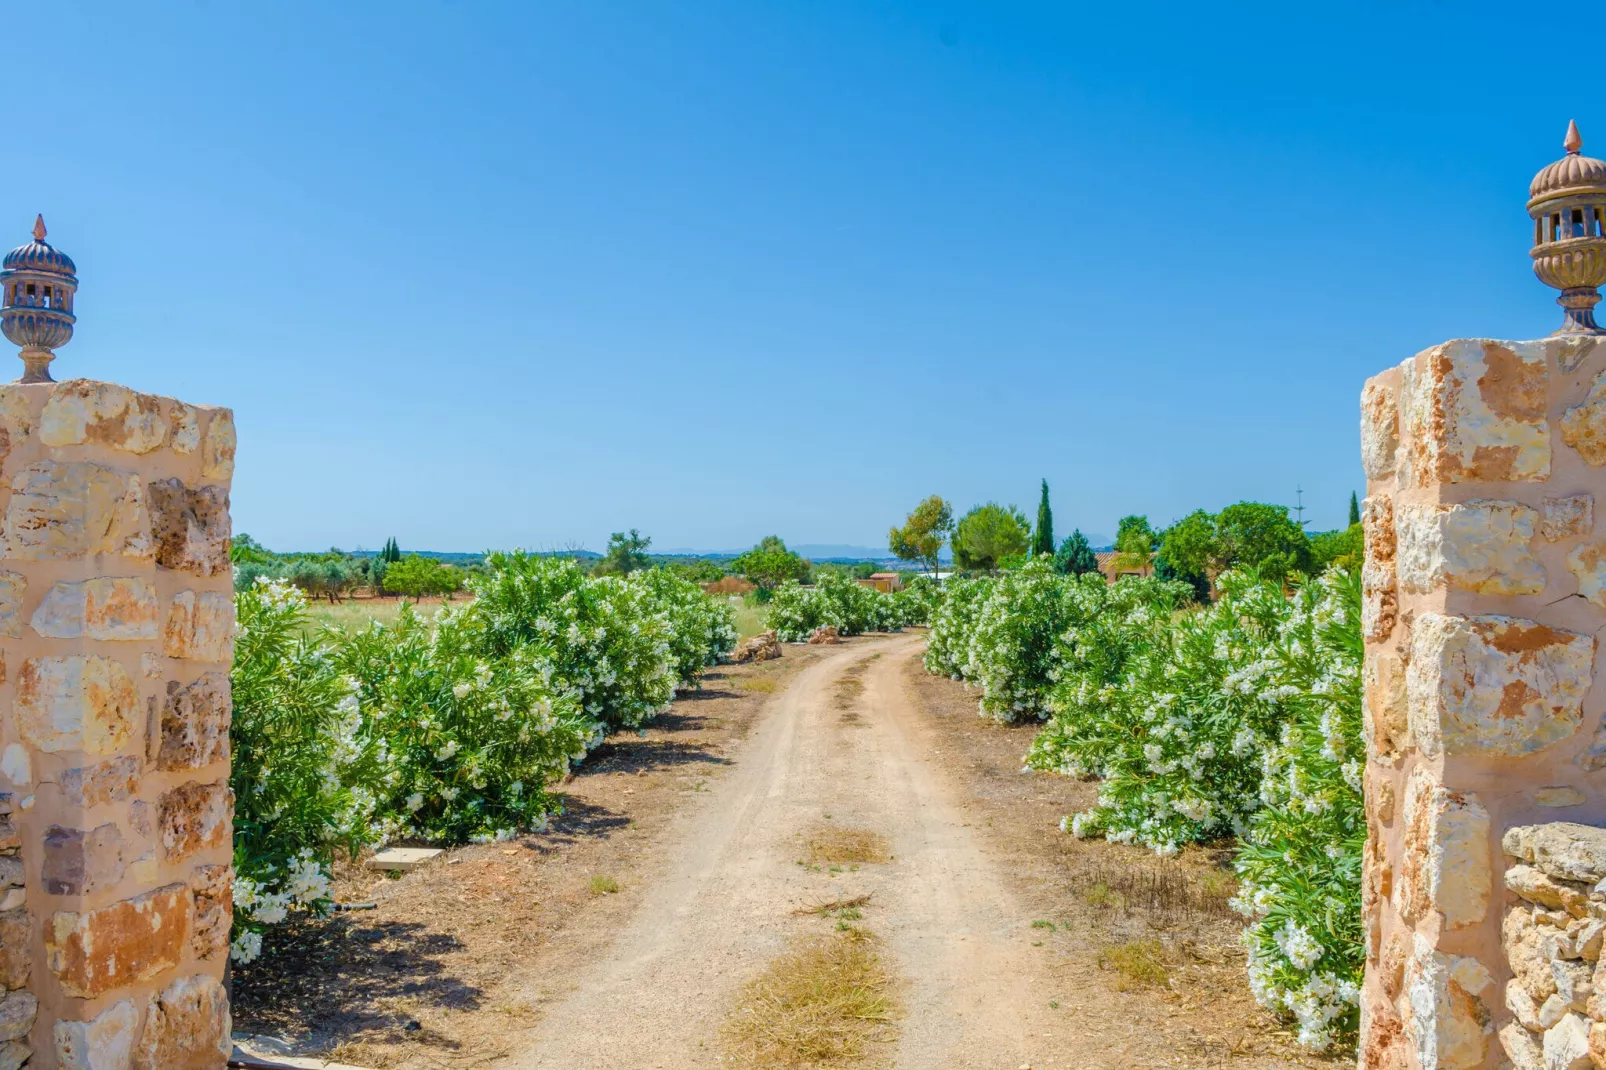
column 1241, row 717
column 846, row 605
column 443, row 730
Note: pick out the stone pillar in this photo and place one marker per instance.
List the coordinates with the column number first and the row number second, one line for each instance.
column 1485, row 593
column 116, row 624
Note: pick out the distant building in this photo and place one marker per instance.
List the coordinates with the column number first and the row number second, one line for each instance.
column 885, row 582
column 1107, row 565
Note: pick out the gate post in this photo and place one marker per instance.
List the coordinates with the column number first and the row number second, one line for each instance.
column 116, row 636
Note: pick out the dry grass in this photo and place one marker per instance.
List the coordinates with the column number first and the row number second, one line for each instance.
column 762, row 684
column 1169, row 893
column 729, row 585
column 833, row 845
column 356, row 614
column 1139, row 964
column 851, row 903
column 821, row 1004
column 601, row 885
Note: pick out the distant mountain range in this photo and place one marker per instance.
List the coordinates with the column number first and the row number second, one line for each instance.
column 814, row 551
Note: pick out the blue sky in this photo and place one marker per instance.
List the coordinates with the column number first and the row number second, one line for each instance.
column 482, row 274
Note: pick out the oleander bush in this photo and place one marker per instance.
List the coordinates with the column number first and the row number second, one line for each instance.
column 953, row 623
column 702, row 631
column 839, row 602
column 1018, row 631
column 303, row 768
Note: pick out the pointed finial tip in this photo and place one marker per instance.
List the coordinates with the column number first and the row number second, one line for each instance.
column 39, row 227
column 1575, row 140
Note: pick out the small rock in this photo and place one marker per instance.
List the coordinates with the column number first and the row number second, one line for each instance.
column 1522, row 1048
column 1567, row 1045
column 404, row 859
column 762, row 647
column 1553, row 1011
column 825, row 635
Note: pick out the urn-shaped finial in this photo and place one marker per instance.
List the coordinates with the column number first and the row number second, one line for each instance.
column 1567, row 201
column 37, row 283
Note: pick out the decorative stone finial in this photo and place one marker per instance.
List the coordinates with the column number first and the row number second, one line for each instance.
column 39, row 231
column 37, row 284
column 1567, row 202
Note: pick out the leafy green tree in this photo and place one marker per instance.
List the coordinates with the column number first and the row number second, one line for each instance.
column 415, row 577
column 244, row 550
column 1043, row 537
column 1262, row 537
column 923, row 532
column 1190, row 547
column 770, row 564
column 627, row 552
column 697, row 570
column 1075, row 557
column 1134, row 543
column 1354, row 509
column 1342, row 548
column 989, row 533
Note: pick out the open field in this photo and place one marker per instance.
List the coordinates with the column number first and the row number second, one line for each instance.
column 358, row 612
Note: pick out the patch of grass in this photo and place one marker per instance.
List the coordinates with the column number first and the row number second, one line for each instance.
column 1169, row 892
column 761, row 684
column 601, row 885
column 834, row 845
column 750, row 619
column 1102, row 895
column 820, row 1004
column 1138, row 962
column 1041, row 924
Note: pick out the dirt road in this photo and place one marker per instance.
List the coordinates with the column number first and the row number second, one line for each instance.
column 725, row 900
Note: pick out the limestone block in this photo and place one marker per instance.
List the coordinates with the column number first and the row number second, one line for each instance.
column 1384, row 1044
column 1523, row 1048
column 1379, row 794
column 199, row 626
column 1450, row 1021
column 1573, row 982
column 106, row 608
column 1562, row 849
column 16, row 764
column 191, row 527
column 125, row 943
column 217, row 452
column 1380, row 429
column 1565, row 518
column 1522, row 1007
column 1474, row 410
column 214, row 909
column 61, row 510
column 1587, row 563
column 75, row 704
column 1444, row 863
column 82, row 410
column 193, row 817
column 105, row 1042
column 1480, row 546
column 1536, row 886
column 186, row 1027
column 1495, row 686
column 1388, row 726
column 17, row 1012
column 76, row 862
column 14, row 1054
column 1597, row 1042
column 1587, row 935
column 195, row 723
column 1583, row 427
column 12, row 588
column 16, row 414
column 113, row 780
column 1558, row 796
column 1566, row 1044
column 184, row 428
column 16, row 959
column 1380, row 597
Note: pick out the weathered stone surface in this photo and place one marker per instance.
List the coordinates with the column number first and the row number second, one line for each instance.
column 199, row 626
column 1583, row 427
column 1572, row 982
column 1563, row 849
column 1522, row 1007
column 105, row 1042
column 134, row 940
column 14, row 1054
column 1474, row 410
column 1495, row 685
column 76, row 862
column 1444, row 864
column 17, row 1012
column 195, row 723
column 1554, row 1010
column 1536, row 886
column 1587, row 563
column 1567, row 1044
column 1379, row 589
column 1597, row 1042
column 1379, row 790
column 185, row 428
column 75, row 704
column 12, row 587
column 62, row 510
column 16, row 414
column 1565, row 518
column 1384, row 1044
column 1480, row 546
column 214, row 909
column 1522, row 1048
column 16, row 764
column 217, row 452
column 193, row 817
column 186, row 1027
column 1380, row 429
column 113, row 780
column 762, row 647
column 1450, row 1019
column 824, row 635
column 1558, row 796
column 82, row 410
column 106, row 608
column 16, row 958
column 191, row 527
column 1389, row 725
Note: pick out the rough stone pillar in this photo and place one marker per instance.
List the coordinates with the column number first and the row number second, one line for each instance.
column 116, row 623
column 1485, row 591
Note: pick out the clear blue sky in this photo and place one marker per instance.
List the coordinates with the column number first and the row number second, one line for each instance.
column 482, row 274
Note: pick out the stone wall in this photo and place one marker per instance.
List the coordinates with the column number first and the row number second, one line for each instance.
column 1485, row 588
column 116, row 624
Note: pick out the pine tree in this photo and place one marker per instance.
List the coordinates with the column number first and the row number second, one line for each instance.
column 1075, row 557
column 1354, row 509
column 1043, row 538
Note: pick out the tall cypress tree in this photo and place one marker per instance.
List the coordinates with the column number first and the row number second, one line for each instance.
column 1043, row 538
column 1354, row 509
